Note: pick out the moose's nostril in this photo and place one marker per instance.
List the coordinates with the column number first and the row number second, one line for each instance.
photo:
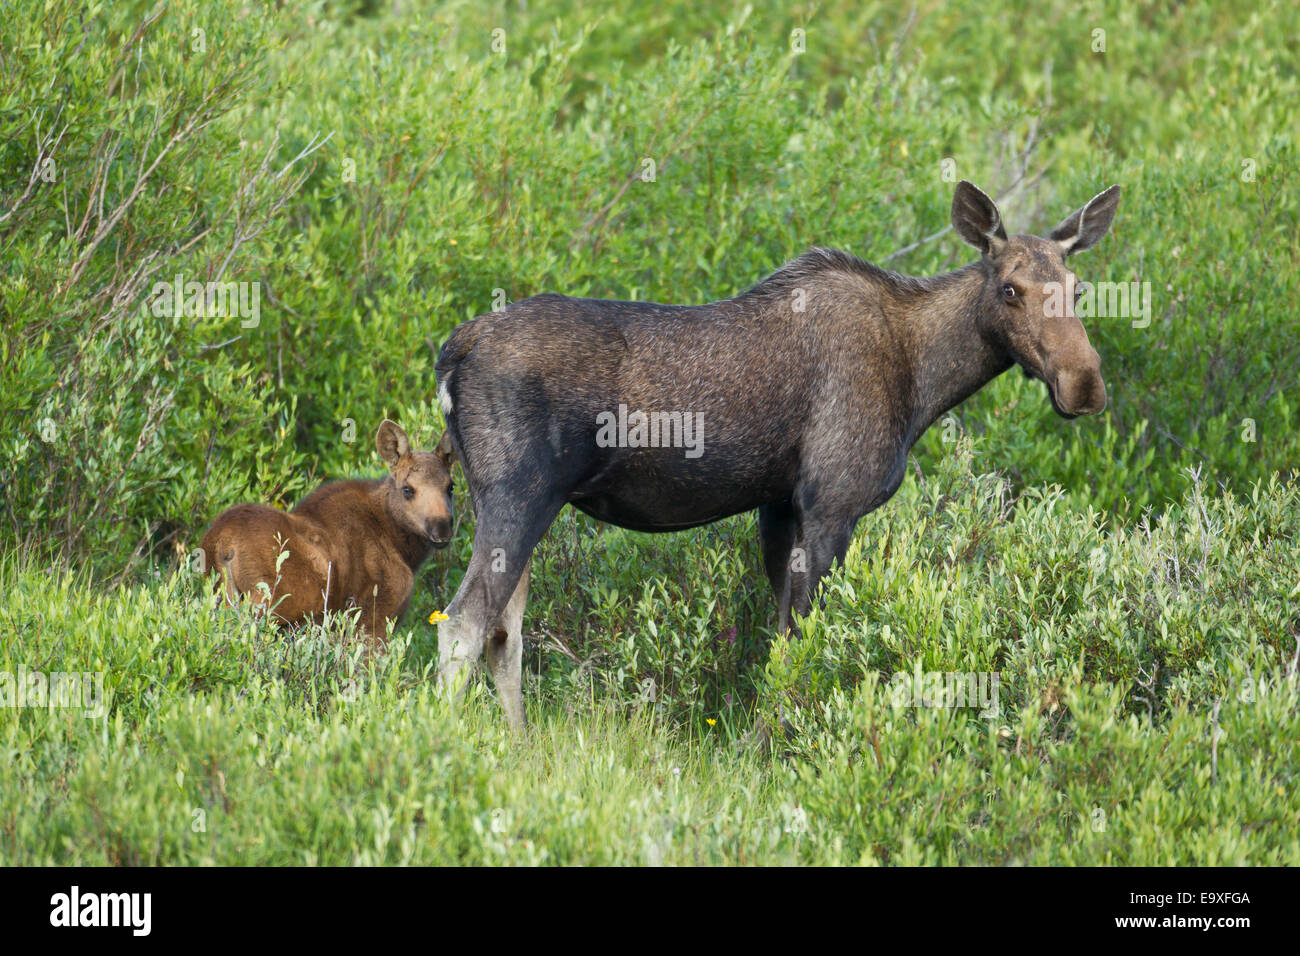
column 1099, row 397
column 1080, row 392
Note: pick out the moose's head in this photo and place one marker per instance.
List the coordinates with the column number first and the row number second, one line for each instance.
column 417, row 493
column 1030, row 294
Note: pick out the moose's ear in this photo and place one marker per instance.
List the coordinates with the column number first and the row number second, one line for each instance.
column 977, row 220
column 391, row 442
column 445, row 450
column 1084, row 227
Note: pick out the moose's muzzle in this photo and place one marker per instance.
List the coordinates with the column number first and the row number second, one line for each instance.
column 1078, row 389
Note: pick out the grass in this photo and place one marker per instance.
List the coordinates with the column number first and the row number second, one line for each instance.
column 1142, row 717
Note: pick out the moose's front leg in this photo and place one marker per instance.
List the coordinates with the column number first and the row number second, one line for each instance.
column 825, row 540
column 384, row 601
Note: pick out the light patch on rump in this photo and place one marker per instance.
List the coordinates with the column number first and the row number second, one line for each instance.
column 444, row 398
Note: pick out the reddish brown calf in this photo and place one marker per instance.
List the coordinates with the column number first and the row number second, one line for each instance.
column 349, row 543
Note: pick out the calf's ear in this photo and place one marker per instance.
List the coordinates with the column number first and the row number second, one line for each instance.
column 391, row 442
column 445, row 450
column 1083, row 228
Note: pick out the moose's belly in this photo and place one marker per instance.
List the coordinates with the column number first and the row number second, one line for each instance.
column 662, row 490
column 637, row 518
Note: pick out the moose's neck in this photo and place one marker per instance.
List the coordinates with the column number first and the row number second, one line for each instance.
column 413, row 548
column 951, row 358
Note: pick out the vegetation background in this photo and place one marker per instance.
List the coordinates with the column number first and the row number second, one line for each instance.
column 383, row 169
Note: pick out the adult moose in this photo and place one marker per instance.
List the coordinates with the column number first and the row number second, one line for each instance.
column 804, row 395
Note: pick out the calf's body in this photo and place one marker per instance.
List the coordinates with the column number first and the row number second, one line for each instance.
column 803, row 396
column 349, row 543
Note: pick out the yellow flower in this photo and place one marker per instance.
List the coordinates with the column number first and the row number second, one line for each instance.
column 710, row 721
column 437, row 616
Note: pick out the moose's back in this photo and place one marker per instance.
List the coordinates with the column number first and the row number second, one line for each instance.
column 243, row 549
column 333, row 540
column 806, row 357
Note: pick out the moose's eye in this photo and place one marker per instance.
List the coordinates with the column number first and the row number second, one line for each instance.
column 408, row 491
column 1009, row 292
column 451, row 486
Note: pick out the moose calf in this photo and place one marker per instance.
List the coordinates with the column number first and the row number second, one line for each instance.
column 349, row 543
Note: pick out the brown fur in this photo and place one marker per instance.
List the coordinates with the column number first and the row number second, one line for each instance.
column 349, row 543
column 812, row 387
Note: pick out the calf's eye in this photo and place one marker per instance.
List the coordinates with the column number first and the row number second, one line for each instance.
column 408, row 491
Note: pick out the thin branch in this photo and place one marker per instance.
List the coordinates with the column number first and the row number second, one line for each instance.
column 1016, row 186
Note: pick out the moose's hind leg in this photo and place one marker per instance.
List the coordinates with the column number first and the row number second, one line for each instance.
column 507, row 532
column 505, row 651
column 778, row 534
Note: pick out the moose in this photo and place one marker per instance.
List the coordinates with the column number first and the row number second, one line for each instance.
column 349, row 543
column 806, row 393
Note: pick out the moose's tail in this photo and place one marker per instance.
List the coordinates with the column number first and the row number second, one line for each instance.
column 453, row 351
column 222, row 555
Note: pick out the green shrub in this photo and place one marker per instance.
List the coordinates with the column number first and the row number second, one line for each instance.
column 1086, row 783
column 381, row 176
column 1178, row 609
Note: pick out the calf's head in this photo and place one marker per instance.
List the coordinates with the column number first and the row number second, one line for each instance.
column 418, row 489
column 1030, row 294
